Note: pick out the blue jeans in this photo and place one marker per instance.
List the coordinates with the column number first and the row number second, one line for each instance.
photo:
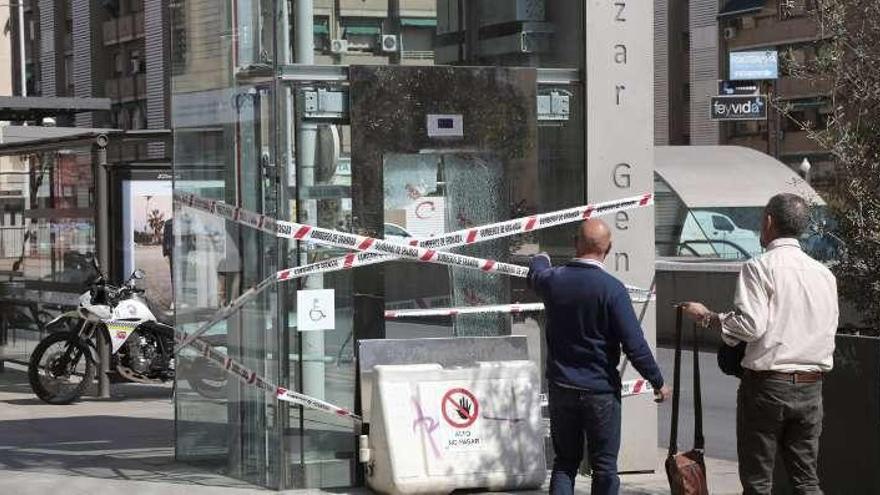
column 573, row 414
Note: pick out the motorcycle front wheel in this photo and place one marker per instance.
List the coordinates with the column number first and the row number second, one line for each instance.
column 60, row 368
column 207, row 379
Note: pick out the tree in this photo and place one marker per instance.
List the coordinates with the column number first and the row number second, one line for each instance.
column 848, row 62
column 156, row 221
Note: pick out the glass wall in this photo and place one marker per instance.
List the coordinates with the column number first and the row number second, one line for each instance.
column 47, row 240
column 729, row 233
column 349, row 151
column 223, row 116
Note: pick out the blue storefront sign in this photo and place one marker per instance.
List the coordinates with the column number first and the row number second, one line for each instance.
column 754, row 65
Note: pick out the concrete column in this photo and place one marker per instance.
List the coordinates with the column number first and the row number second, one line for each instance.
column 620, row 163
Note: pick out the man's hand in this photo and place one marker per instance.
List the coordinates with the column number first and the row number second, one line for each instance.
column 663, row 394
column 696, row 311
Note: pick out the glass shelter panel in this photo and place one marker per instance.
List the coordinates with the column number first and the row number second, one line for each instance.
column 47, row 241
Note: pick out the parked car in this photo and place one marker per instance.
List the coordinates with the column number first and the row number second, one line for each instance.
column 394, row 232
column 708, row 233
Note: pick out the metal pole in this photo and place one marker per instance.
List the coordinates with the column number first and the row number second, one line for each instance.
column 312, row 342
column 102, row 232
column 103, row 364
column 21, row 48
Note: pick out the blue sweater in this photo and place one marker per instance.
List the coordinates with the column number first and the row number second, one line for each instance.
column 589, row 318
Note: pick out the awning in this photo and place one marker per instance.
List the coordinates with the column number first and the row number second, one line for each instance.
column 418, row 21
column 321, row 29
column 739, row 7
column 363, row 29
column 726, row 176
column 36, row 107
column 16, row 140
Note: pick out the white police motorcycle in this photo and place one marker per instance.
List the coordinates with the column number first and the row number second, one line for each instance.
column 141, row 345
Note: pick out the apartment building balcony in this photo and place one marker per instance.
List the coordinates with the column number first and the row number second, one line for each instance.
column 799, row 143
column 124, row 28
column 126, row 88
column 417, row 55
column 363, row 8
column 418, row 8
column 795, row 88
column 770, row 31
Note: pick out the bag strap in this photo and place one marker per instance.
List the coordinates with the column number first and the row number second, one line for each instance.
column 699, row 440
column 673, row 431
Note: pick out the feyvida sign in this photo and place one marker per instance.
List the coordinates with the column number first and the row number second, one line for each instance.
column 739, row 108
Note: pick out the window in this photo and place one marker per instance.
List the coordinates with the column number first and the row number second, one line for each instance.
column 361, row 31
column 789, row 9
column 137, row 62
column 722, row 224
column 746, row 128
column 122, row 119
column 68, row 69
column 118, row 63
column 322, row 33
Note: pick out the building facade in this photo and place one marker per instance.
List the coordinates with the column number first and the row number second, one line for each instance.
column 695, row 39
column 116, row 49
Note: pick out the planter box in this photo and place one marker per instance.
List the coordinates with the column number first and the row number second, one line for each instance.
column 849, row 461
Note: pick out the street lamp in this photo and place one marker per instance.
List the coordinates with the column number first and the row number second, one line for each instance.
column 805, row 169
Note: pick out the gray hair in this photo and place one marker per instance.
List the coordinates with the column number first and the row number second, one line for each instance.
column 790, row 214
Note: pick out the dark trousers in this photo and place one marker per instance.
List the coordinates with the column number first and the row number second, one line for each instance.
column 573, row 414
column 775, row 416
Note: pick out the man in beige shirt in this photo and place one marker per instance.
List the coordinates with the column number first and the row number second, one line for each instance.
column 786, row 312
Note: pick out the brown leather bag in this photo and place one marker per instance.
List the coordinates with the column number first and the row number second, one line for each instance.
column 686, row 471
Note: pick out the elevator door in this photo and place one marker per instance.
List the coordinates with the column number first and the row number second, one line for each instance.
column 434, row 150
column 432, row 193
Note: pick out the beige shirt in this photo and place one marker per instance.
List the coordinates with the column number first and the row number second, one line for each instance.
column 786, row 309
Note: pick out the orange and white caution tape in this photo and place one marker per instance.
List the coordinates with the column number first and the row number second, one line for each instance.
column 470, row 310
column 636, row 387
column 230, row 309
column 629, row 388
column 251, row 378
column 374, row 250
column 399, row 314
column 425, row 246
column 353, row 260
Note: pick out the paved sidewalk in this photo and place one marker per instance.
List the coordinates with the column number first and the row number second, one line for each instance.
column 124, row 445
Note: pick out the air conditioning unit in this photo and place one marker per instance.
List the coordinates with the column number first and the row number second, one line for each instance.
column 729, row 33
column 339, row 46
column 390, row 43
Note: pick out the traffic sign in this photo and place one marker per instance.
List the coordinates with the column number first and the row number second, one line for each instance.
column 460, row 408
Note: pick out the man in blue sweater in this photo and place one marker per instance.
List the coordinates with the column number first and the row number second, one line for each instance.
column 589, row 319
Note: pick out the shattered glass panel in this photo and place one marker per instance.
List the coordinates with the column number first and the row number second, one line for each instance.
column 476, row 195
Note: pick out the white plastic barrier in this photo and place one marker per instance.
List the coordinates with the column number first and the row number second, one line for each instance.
column 435, row 430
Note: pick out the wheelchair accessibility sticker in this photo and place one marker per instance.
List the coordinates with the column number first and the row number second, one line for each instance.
column 315, row 310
